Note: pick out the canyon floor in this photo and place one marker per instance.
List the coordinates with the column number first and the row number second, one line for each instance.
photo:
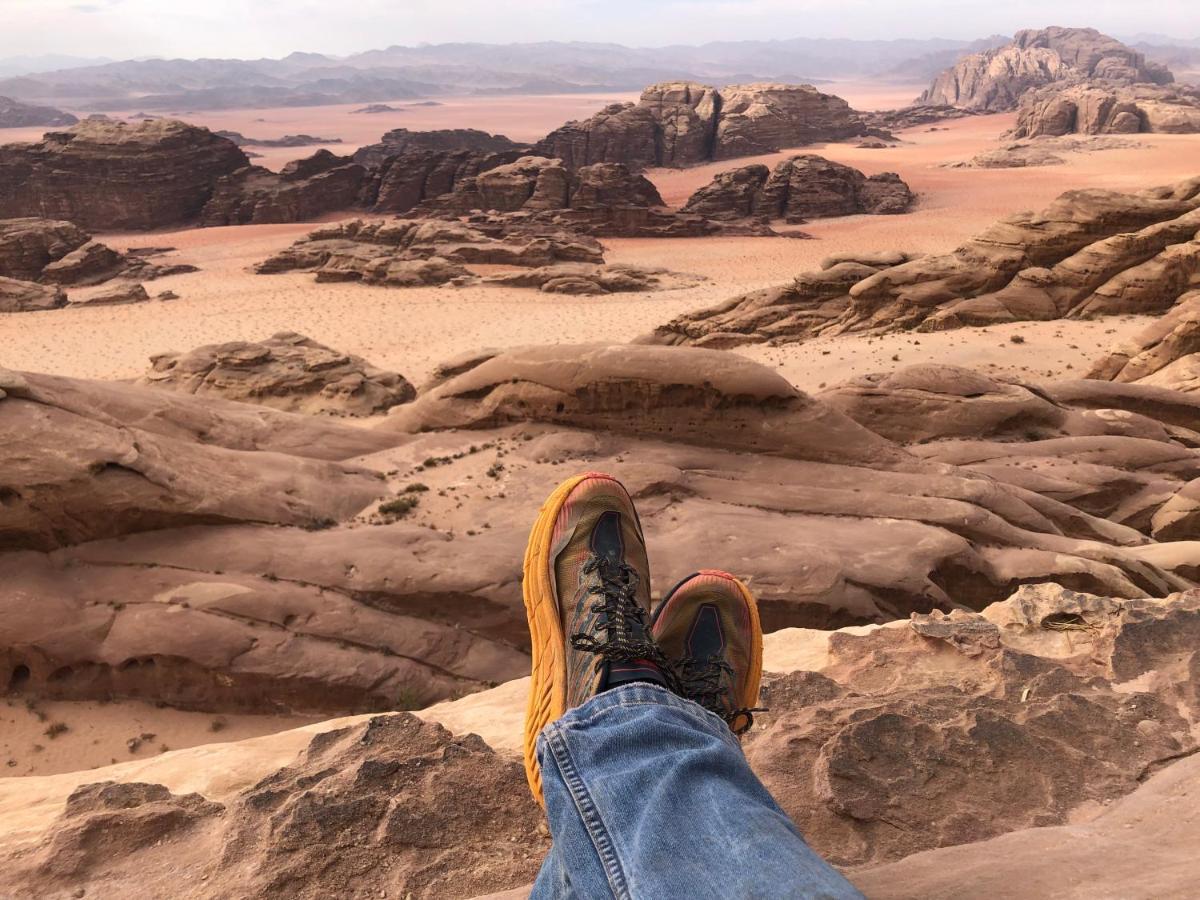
column 411, row 331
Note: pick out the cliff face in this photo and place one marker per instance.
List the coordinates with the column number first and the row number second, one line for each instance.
column 684, row 124
column 995, row 80
column 1108, row 109
column 109, row 175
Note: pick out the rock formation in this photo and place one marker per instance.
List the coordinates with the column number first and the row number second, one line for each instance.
column 400, row 141
column 684, row 124
column 984, row 734
column 601, row 200
column 1090, row 253
column 1164, row 355
column 14, row 114
column 59, row 253
column 27, row 296
column 287, row 371
column 1042, row 151
column 800, row 188
column 584, row 278
column 409, row 253
column 288, row 140
column 401, row 181
column 80, row 470
column 104, row 174
column 1108, row 109
column 303, row 189
column 995, row 80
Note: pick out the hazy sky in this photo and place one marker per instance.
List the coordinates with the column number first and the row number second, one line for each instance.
column 252, row 28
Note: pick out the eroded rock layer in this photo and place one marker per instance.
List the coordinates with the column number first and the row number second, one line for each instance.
column 303, row 189
column 684, row 124
column 1090, row 253
column 798, row 189
column 414, row 252
column 287, row 371
column 996, row 79
column 105, row 174
column 1108, row 109
column 933, row 733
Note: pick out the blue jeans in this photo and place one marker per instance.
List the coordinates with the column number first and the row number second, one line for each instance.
column 649, row 797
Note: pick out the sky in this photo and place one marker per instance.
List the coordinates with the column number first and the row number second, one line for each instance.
column 253, row 28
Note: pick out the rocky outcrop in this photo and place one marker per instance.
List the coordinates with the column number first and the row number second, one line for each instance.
column 77, row 472
column 27, row 296
column 400, row 141
column 410, row 253
column 1108, row 109
column 303, row 189
column 287, row 371
column 916, row 116
column 59, row 253
column 29, row 245
column 684, row 124
column 1042, row 151
column 800, row 188
column 601, row 200
column 14, row 114
column 995, row 80
column 1164, row 355
column 400, row 182
column 1091, row 253
column 288, row 140
column 983, row 734
column 104, row 174
column 582, row 278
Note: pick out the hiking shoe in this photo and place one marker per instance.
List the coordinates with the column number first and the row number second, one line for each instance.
column 587, row 597
column 708, row 627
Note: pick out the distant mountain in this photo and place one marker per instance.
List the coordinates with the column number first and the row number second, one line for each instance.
column 306, row 79
column 31, row 65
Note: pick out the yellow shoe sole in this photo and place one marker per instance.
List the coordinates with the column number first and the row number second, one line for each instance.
column 548, row 687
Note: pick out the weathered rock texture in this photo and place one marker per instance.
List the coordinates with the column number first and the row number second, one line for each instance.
column 414, row 252
column 105, row 174
column 995, row 80
column 801, row 188
column 287, row 371
column 84, row 463
column 1090, row 253
column 1108, row 109
column 59, row 253
column 400, row 141
column 1164, row 355
column 684, row 124
column 400, row 182
column 14, row 114
column 584, row 278
column 1042, row 151
column 602, row 200
column 933, row 733
column 27, row 296
column 303, row 189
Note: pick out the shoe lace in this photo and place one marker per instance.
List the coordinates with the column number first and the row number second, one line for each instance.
column 702, row 680
column 621, row 618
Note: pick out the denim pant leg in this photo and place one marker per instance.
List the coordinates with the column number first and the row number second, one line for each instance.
column 649, row 797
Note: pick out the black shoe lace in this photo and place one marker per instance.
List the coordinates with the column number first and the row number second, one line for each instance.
column 701, row 681
column 622, row 619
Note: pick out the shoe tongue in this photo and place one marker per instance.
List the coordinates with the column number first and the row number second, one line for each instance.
column 706, row 638
column 607, row 540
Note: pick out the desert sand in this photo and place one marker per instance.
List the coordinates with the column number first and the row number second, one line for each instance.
column 412, row 330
